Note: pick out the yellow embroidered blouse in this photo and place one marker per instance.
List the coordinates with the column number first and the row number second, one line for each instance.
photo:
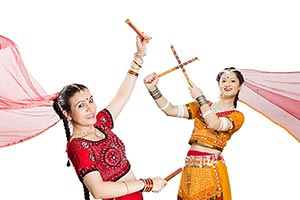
column 207, row 137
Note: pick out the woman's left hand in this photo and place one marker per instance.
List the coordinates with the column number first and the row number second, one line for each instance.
column 194, row 90
column 141, row 45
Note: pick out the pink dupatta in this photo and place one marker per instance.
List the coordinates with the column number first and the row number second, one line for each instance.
column 276, row 95
column 25, row 108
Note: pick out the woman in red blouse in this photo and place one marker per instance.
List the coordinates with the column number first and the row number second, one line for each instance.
column 96, row 153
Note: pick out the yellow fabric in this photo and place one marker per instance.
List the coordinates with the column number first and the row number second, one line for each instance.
column 202, row 134
column 204, row 183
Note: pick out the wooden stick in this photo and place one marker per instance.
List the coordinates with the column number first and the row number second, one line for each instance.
column 141, row 35
column 182, row 68
column 177, row 67
column 173, row 174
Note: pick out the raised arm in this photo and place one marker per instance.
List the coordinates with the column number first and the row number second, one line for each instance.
column 211, row 119
column 164, row 104
column 125, row 90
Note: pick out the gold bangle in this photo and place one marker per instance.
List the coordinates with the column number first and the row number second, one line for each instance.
column 133, row 66
column 140, row 57
column 133, row 73
column 140, row 66
column 126, row 187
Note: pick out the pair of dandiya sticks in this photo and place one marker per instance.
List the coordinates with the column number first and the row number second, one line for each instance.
column 181, row 65
column 142, row 36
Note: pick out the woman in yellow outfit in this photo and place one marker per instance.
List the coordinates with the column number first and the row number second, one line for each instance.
column 205, row 176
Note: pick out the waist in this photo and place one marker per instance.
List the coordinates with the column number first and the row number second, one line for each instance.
column 202, row 159
column 205, row 147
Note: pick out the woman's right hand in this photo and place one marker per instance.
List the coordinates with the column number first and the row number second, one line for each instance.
column 158, row 184
column 151, row 81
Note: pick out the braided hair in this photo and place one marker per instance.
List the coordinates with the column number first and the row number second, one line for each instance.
column 239, row 76
column 60, row 104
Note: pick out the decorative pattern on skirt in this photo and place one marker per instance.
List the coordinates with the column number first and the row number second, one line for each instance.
column 200, row 179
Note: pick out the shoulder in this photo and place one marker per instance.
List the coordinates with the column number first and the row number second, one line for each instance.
column 104, row 120
column 237, row 118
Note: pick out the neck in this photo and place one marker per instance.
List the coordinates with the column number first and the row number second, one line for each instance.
column 79, row 128
column 226, row 102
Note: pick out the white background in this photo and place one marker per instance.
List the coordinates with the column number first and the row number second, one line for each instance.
column 88, row 42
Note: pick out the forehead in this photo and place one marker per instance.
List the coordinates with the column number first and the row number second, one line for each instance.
column 228, row 75
column 80, row 96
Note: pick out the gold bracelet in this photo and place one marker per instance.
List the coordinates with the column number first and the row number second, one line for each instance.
column 140, row 66
column 133, row 66
column 148, row 185
column 140, row 57
column 126, row 187
column 133, row 73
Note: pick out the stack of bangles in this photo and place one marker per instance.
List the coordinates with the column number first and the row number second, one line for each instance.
column 148, row 185
column 201, row 100
column 135, row 70
column 156, row 94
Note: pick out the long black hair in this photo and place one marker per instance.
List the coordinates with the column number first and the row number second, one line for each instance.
column 239, row 76
column 62, row 103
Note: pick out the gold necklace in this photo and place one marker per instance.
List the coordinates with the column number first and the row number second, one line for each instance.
column 83, row 133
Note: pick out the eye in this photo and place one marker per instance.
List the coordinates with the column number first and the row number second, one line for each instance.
column 80, row 105
column 91, row 100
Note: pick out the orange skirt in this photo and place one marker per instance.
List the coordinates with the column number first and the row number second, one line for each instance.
column 204, row 177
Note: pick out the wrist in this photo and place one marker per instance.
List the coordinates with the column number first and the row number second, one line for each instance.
column 151, row 89
column 156, row 94
column 138, row 57
column 201, row 100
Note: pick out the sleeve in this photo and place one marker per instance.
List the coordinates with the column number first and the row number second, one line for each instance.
column 194, row 109
column 82, row 159
column 104, row 120
column 237, row 119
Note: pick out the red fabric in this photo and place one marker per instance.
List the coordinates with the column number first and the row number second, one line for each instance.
column 132, row 196
column 200, row 153
column 276, row 95
column 25, row 108
column 106, row 156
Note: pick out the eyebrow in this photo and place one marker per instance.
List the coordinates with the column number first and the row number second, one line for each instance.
column 83, row 100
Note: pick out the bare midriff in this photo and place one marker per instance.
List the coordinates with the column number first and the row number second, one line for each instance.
column 198, row 147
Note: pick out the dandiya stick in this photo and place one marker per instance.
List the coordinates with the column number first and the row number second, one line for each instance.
column 177, row 67
column 173, row 174
column 182, row 68
column 142, row 36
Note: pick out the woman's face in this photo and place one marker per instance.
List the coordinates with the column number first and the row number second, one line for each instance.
column 83, row 109
column 229, row 85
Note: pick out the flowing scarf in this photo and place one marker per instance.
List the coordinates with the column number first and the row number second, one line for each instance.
column 276, row 95
column 25, row 108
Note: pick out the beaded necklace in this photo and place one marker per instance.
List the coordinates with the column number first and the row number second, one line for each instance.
column 216, row 108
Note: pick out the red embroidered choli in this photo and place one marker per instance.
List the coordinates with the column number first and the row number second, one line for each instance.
column 106, row 156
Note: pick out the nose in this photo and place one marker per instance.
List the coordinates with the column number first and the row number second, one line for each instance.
column 88, row 106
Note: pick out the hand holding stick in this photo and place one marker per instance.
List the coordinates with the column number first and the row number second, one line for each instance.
column 141, row 35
